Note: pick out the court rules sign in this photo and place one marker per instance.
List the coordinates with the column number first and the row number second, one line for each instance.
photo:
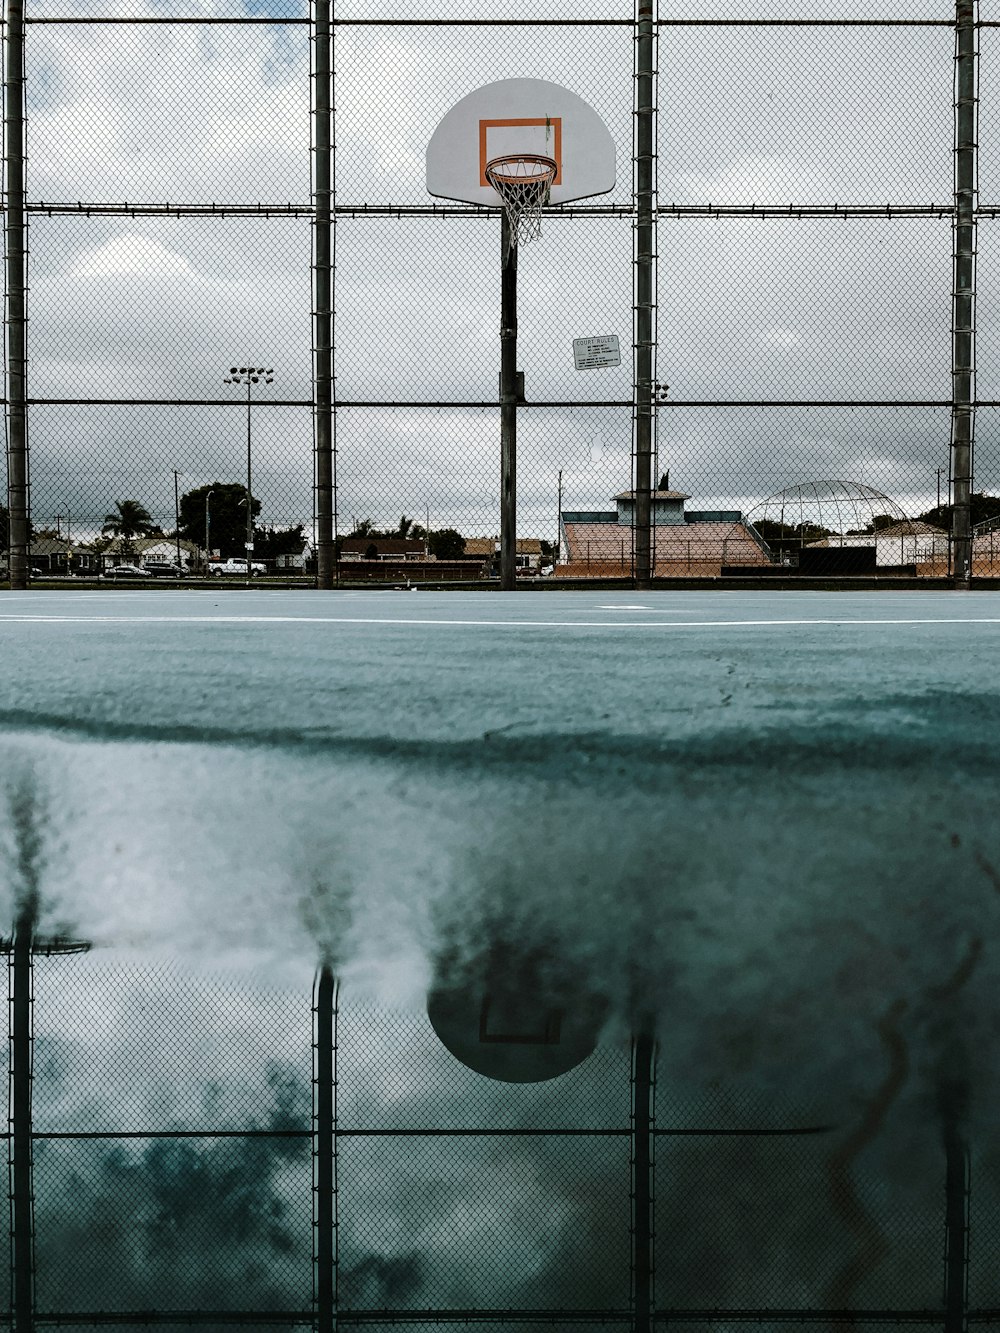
column 602, row 350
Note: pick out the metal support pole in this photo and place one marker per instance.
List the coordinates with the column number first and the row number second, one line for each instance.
column 323, row 269
column 17, row 408
column 963, row 338
column 21, row 1183
column 953, row 1097
column 508, row 406
column 643, row 1064
column 956, row 1280
column 324, row 1153
column 644, row 261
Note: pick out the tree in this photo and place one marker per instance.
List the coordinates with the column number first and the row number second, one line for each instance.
column 981, row 508
column 227, row 516
column 446, row 544
column 129, row 520
column 272, row 542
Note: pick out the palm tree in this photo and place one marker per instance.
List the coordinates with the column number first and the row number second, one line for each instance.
column 131, row 519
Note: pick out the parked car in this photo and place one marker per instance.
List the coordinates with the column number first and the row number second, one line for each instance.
column 126, row 572
column 163, row 569
column 237, row 565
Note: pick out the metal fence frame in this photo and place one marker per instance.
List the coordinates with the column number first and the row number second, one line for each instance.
column 646, row 211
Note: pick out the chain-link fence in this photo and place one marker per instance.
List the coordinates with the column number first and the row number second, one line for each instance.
column 189, row 1149
column 790, row 259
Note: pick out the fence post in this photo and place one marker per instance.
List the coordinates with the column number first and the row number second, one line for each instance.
column 645, row 261
column 508, row 405
column 21, row 1182
column 16, row 319
column 323, row 268
column 963, row 338
column 643, row 1063
column 324, row 1153
column 956, row 1264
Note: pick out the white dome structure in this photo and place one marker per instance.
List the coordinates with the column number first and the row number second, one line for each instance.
column 837, row 508
column 812, row 516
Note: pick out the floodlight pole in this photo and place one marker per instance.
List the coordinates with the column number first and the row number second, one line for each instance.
column 249, row 540
column 508, row 405
column 252, row 375
column 963, row 338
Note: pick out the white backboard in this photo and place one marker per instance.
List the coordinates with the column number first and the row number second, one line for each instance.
column 520, row 116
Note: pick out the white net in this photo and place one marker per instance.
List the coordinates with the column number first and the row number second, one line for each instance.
column 524, row 182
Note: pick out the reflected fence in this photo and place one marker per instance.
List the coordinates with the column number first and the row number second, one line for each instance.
column 797, row 260
column 202, row 1151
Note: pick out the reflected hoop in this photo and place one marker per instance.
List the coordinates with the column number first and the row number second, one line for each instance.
column 524, row 183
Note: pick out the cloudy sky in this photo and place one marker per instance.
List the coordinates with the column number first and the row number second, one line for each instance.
column 854, row 309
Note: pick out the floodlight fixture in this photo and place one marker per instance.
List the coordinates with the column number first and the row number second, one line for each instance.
column 249, row 376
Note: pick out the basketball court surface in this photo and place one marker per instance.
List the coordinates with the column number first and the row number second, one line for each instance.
column 914, row 668
column 723, row 799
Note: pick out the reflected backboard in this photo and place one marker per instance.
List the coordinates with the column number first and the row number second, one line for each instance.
column 515, row 1015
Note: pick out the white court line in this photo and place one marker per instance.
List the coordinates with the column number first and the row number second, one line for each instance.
column 23, row 618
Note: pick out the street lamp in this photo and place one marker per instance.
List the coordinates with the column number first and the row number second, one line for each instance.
column 208, row 529
column 249, row 375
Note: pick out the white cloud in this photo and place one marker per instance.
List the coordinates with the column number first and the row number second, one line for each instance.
column 130, row 255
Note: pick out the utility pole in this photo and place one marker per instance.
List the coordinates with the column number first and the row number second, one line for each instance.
column 558, row 518
column 208, row 529
column 177, row 519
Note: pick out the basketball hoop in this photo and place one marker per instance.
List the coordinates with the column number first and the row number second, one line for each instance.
column 524, row 182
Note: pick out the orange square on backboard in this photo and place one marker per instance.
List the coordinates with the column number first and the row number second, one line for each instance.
column 554, row 150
